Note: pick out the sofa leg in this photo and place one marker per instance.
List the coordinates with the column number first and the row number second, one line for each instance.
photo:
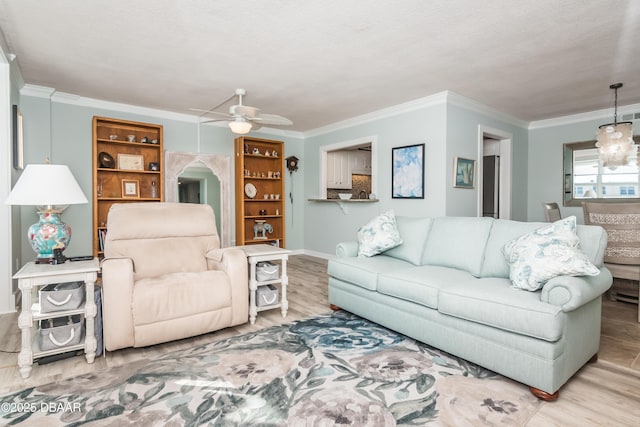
column 593, row 359
column 334, row 307
column 543, row 395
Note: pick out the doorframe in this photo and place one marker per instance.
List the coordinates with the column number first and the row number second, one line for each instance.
column 506, row 160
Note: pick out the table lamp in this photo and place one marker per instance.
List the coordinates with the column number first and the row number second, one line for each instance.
column 50, row 188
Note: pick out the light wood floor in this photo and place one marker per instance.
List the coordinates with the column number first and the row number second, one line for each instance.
column 603, row 393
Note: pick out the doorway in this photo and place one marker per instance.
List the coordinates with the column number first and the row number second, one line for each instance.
column 494, row 174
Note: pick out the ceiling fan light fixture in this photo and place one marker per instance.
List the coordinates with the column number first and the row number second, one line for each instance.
column 615, row 140
column 240, row 127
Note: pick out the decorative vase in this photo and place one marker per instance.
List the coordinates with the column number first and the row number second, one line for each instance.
column 48, row 234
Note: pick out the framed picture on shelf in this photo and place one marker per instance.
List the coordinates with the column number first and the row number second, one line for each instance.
column 130, row 162
column 131, row 188
column 407, row 172
column 464, row 173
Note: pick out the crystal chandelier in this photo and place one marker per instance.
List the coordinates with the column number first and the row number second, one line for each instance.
column 615, row 140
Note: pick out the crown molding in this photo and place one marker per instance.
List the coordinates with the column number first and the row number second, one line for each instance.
column 429, row 101
column 473, row 105
column 584, row 117
column 72, row 99
column 37, row 91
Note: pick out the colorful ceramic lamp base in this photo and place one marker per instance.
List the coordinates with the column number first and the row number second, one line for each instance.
column 48, row 234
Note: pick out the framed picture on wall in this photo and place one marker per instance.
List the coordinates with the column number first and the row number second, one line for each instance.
column 464, row 173
column 407, row 172
column 18, row 142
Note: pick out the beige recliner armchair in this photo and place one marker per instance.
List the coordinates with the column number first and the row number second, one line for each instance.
column 165, row 277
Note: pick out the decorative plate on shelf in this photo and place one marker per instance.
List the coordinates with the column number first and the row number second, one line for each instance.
column 250, row 190
column 105, row 160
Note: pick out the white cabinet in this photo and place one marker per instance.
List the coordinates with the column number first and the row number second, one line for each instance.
column 338, row 173
column 360, row 162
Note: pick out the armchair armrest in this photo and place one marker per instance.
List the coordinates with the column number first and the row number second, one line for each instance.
column 569, row 293
column 233, row 261
column 347, row 249
column 117, row 295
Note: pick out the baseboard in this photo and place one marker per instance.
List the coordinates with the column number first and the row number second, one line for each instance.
column 317, row 254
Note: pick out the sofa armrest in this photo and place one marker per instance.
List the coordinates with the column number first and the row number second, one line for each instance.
column 233, row 261
column 569, row 293
column 347, row 249
column 117, row 296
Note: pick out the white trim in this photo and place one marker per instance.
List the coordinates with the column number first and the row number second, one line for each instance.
column 583, row 117
column 506, row 161
column 72, row 99
column 316, row 254
column 7, row 298
column 429, row 101
column 37, row 91
column 470, row 104
column 372, row 139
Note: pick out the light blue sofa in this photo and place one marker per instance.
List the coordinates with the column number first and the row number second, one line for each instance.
column 448, row 286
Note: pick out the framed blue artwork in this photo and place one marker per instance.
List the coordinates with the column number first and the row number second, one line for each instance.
column 464, row 173
column 407, row 176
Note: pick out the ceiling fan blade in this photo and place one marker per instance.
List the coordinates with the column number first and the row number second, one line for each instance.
column 255, row 125
column 272, row 119
column 216, row 120
column 244, row 110
column 217, row 115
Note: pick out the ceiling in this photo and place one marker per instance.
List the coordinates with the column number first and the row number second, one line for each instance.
column 320, row 62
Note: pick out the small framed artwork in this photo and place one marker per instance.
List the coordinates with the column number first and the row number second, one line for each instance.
column 130, row 162
column 18, row 141
column 464, row 173
column 131, row 188
column 407, row 172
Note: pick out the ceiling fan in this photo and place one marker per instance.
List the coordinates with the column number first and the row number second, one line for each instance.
column 242, row 118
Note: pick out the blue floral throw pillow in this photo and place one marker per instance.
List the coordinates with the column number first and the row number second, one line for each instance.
column 378, row 235
column 547, row 252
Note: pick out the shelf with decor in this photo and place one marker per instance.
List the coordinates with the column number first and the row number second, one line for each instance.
column 259, row 191
column 127, row 167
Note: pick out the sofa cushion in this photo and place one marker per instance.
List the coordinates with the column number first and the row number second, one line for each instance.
column 364, row 272
column 413, row 232
column 420, row 284
column 493, row 302
column 503, row 231
column 547, row 252
column 378, row 235
column 177, row 295
column 457, row 242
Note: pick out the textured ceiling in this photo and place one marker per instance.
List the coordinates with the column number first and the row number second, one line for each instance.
column 319, row 62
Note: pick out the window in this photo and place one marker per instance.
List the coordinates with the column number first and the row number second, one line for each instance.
column 585, row 178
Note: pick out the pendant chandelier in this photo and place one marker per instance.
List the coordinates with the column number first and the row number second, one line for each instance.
column 615, row 140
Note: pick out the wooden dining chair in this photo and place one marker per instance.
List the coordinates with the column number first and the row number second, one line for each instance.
column 622, row 255
column 551, row 212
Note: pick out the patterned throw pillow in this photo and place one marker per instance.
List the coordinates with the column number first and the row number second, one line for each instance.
column 378, row 235
column 545, row 253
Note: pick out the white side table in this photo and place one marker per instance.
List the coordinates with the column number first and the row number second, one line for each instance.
column 30, row 277
column 259, row 253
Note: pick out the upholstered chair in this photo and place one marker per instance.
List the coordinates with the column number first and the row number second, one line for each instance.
column 622, row 255
column 165, row 277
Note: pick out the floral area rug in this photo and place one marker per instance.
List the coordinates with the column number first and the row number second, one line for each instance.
column 336, row 369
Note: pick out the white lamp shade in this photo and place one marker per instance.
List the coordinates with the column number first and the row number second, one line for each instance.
column 240, row 127
column 46, row 185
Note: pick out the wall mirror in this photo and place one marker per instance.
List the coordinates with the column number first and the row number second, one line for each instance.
column 207, row 179
column 585, row 179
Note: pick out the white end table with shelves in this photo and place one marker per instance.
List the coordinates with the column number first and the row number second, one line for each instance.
column 30, row 278
column 260, row 253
